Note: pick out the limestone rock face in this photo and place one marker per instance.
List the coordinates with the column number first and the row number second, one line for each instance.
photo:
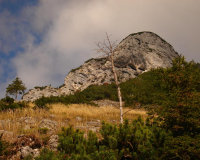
column 137, row 53
column 143, row 51
column 36, row 93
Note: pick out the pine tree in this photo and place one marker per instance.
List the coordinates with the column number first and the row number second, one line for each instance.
column 180, row 110
column 17, row 87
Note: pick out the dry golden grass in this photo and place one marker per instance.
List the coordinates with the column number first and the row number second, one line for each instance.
column 63, row 114
column 88, row 112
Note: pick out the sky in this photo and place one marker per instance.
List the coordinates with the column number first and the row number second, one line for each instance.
column 42, row 40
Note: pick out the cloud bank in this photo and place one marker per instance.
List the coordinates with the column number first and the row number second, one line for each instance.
column 57, row 36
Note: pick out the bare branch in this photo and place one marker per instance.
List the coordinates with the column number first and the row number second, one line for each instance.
column 131, row 110
column 108, row 48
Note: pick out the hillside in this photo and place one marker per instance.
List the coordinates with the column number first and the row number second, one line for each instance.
column 169, row 130
column 136, row 90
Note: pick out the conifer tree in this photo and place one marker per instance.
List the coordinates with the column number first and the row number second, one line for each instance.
column 17, row 87
column 181, row 110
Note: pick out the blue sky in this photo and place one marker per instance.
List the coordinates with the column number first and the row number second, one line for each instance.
column 42, row 40
column 15, row 6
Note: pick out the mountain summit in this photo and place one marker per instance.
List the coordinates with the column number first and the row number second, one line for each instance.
column 138, row 53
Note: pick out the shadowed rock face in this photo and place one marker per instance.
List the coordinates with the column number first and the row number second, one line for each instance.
column 137, row 53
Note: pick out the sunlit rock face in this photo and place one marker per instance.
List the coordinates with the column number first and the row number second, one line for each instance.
column 136, row 54
column 36, row 93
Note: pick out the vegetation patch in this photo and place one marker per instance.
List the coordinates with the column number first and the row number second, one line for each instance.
column 61, row 86
column 40, row 87
column 73, row 70
column 96, row 59
column 8, row 103
column 43, row 130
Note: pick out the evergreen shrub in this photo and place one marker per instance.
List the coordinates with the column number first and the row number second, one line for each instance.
column 137, row 140
column 8, row 103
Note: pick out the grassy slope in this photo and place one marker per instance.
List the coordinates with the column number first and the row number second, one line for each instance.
column 63, row 114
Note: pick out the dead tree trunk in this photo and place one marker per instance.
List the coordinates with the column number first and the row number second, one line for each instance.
column 108, row 48
column 118, row 89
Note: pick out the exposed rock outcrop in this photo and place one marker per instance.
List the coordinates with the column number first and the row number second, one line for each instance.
column 138, row 53
column 53, row 142
column 36, row 93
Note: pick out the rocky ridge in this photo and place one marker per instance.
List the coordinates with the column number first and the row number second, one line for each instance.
column 138, row 53
column 36, row 93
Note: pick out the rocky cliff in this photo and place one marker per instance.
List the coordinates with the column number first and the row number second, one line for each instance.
column 138, row 53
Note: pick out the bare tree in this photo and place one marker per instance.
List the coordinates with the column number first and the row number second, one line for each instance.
column 109, row 49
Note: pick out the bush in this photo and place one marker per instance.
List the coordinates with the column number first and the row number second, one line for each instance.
column 8, row 103
column 180, row 108
column 47, row 154
column 7, row 100
column 142, row 140
column 128, row 141
column 40, row 87
column 3, row 145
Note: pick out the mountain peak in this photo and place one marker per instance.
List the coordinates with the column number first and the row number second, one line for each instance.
column 137, row 53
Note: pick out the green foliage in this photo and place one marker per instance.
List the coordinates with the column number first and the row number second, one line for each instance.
column 40, row 87
column 43, row 101
column 73, row 70
column 7, row 100
column 91, row 93
column 43, row 130
column 140, row 89
column 141, row 140
column 182, row 147
column 179, row 111
column 8, row 103
column 17, row 87
column 181, row 103
column 29, row 157
column 3, row 145
column 61, row 86
column 128, row 141
column 47, row 154
column 96, row 59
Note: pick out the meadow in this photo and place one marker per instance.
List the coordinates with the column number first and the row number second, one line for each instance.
column 63, row 114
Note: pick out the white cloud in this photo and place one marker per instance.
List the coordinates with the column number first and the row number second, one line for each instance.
column 70, row 28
